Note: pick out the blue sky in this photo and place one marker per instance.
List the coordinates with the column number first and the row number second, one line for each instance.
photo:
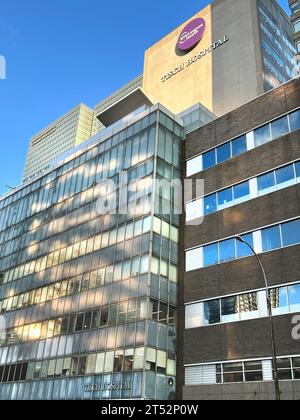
column 63, row 52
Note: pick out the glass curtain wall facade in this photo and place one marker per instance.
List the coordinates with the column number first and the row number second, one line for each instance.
column 295, row 18
column 88, row 300
column 278, row 51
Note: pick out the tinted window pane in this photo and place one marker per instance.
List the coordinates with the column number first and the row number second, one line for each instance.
column 225, row 198
column 212, row 312
column 230, row 309
column 233, row 377
column 298, row 169
column 280, row 127
column 294, row 297
column 211, row 255
column 291, row 233
column 227, row 250
column 294, row 7
column 239, row 146
column 209, row 159
column 210, row 204
column 284, row 364
column 285, row 175
column 295, row 120
column 223, row 153
column 232, row 367
column 271, row 238
column 242, row 249
column 279, row 301
column 262, row 135
column 296, row 364
column 248, row 303
column 285, row 375
column 254, row 376
column 253, row 366
column 266, row 183
column 241, row 192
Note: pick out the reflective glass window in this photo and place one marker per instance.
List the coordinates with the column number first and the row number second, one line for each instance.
column 280, row 127
column 266, row 183
column 279, row 301
column 209, row 159
column 248, row 306
column 211, row 255
column 241, row 192
column 294, row 7
column 210, row 204
column 227, row 250
column 239, row 146
column 223, row 153
column 294, row 297
column 284, row 369
column 234, row 377
column 212, row 312
column 296, row 366
column 295, row 120
column 230, row 309
column 271, row 238
column 262, row 135
column 253, row 372
column 285, row 176
column 79, row 322
column 233, row 372
column 225, row 198
column 291, row 233
column 243, row 250
column 298, row 170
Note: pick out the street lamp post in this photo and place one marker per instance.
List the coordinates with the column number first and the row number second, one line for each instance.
column 271, row 324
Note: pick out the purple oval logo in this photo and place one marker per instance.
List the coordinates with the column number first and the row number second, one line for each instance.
column 191, row 34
